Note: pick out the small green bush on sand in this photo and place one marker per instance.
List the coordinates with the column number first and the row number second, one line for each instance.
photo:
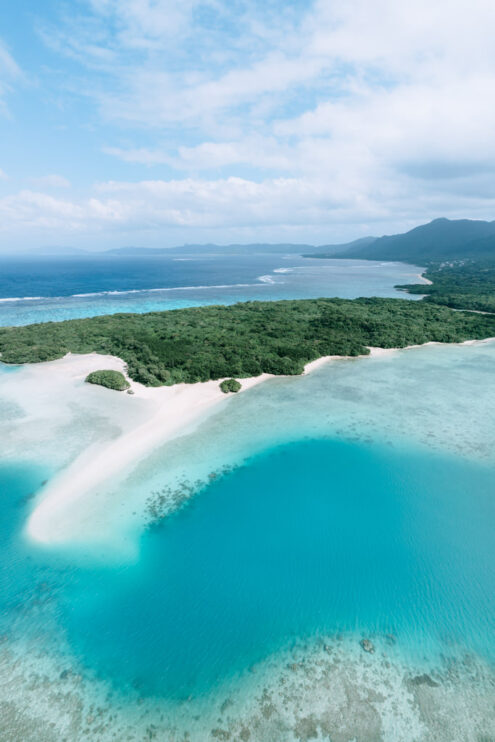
column 109, row 379
column 230, row 385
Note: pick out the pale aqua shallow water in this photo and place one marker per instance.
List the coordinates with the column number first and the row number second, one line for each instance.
column 361, row 501
column 311, row 538
column 306, row 538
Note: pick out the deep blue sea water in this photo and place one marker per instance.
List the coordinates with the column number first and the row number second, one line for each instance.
column 56, row 276
column 46, row 289
column 307, row 539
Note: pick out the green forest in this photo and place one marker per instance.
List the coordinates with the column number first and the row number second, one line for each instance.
column 463, row 284
column 213, row 342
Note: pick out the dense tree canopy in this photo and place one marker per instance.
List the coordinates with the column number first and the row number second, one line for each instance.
column 463, row 284
column 230, row 385
column 214, row 342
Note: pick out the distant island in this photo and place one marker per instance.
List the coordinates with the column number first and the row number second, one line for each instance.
column 439, row 240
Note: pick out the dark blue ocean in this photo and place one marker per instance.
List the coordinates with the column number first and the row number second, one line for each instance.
column 52, row 288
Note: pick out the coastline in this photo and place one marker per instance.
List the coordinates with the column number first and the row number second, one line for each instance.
column 303, row 682
column 163, row 413
column 166, row 413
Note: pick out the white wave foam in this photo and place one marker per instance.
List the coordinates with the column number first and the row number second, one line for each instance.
column 266, row 279
column 130, row 291
column 284, row 270
column 23, row 298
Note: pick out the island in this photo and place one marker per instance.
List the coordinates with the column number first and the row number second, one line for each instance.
column 246, row 339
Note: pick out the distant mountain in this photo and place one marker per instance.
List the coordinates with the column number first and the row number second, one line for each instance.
column 441, row 239
column 211, row 248
column 346, row 247
column 236, row 249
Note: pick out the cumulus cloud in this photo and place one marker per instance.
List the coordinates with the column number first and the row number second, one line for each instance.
column 394, row 83
column 335, row 114
column 306, row 209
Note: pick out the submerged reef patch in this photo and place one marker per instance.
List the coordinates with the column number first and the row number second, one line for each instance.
column 325, row 689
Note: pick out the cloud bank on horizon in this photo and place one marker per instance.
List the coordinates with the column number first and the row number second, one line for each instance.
column 157, row 122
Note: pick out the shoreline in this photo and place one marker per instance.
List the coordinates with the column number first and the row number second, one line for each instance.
column 167, row 413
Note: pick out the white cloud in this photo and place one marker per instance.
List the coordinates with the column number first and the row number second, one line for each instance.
column 255, row 151
column 3, row 175
column 51, row 181
column 304, row 208
column 32, row 209
column 299, row 117
column 394, row 83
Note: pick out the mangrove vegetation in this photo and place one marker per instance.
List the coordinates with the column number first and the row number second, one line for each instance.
column 246, row 339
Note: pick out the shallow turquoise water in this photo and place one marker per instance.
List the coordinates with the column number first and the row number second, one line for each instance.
column 20, row 571
column 309, row 538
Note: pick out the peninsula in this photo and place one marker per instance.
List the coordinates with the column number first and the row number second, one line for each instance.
column 244, row 340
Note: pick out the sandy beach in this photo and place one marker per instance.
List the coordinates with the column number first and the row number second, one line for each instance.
column 142, row 422
column 148, row 418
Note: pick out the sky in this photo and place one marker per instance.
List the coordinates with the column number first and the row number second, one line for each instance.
column 163, row 122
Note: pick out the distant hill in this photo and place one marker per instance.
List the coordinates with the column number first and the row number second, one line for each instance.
column 441, row 239
column 236, row 249
column 212, row 248
column 347, row 247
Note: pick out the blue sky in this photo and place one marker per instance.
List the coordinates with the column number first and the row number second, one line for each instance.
column 154, row 122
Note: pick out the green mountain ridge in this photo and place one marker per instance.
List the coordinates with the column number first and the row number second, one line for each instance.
column 439, row 240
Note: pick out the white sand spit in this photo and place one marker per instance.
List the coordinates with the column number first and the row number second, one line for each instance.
column 147, row 419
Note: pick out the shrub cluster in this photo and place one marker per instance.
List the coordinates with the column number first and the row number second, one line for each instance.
column 109, row 379
column 230, row 385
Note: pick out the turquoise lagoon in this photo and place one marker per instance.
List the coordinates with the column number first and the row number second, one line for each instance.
column 310, row 538
column 357, row 501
